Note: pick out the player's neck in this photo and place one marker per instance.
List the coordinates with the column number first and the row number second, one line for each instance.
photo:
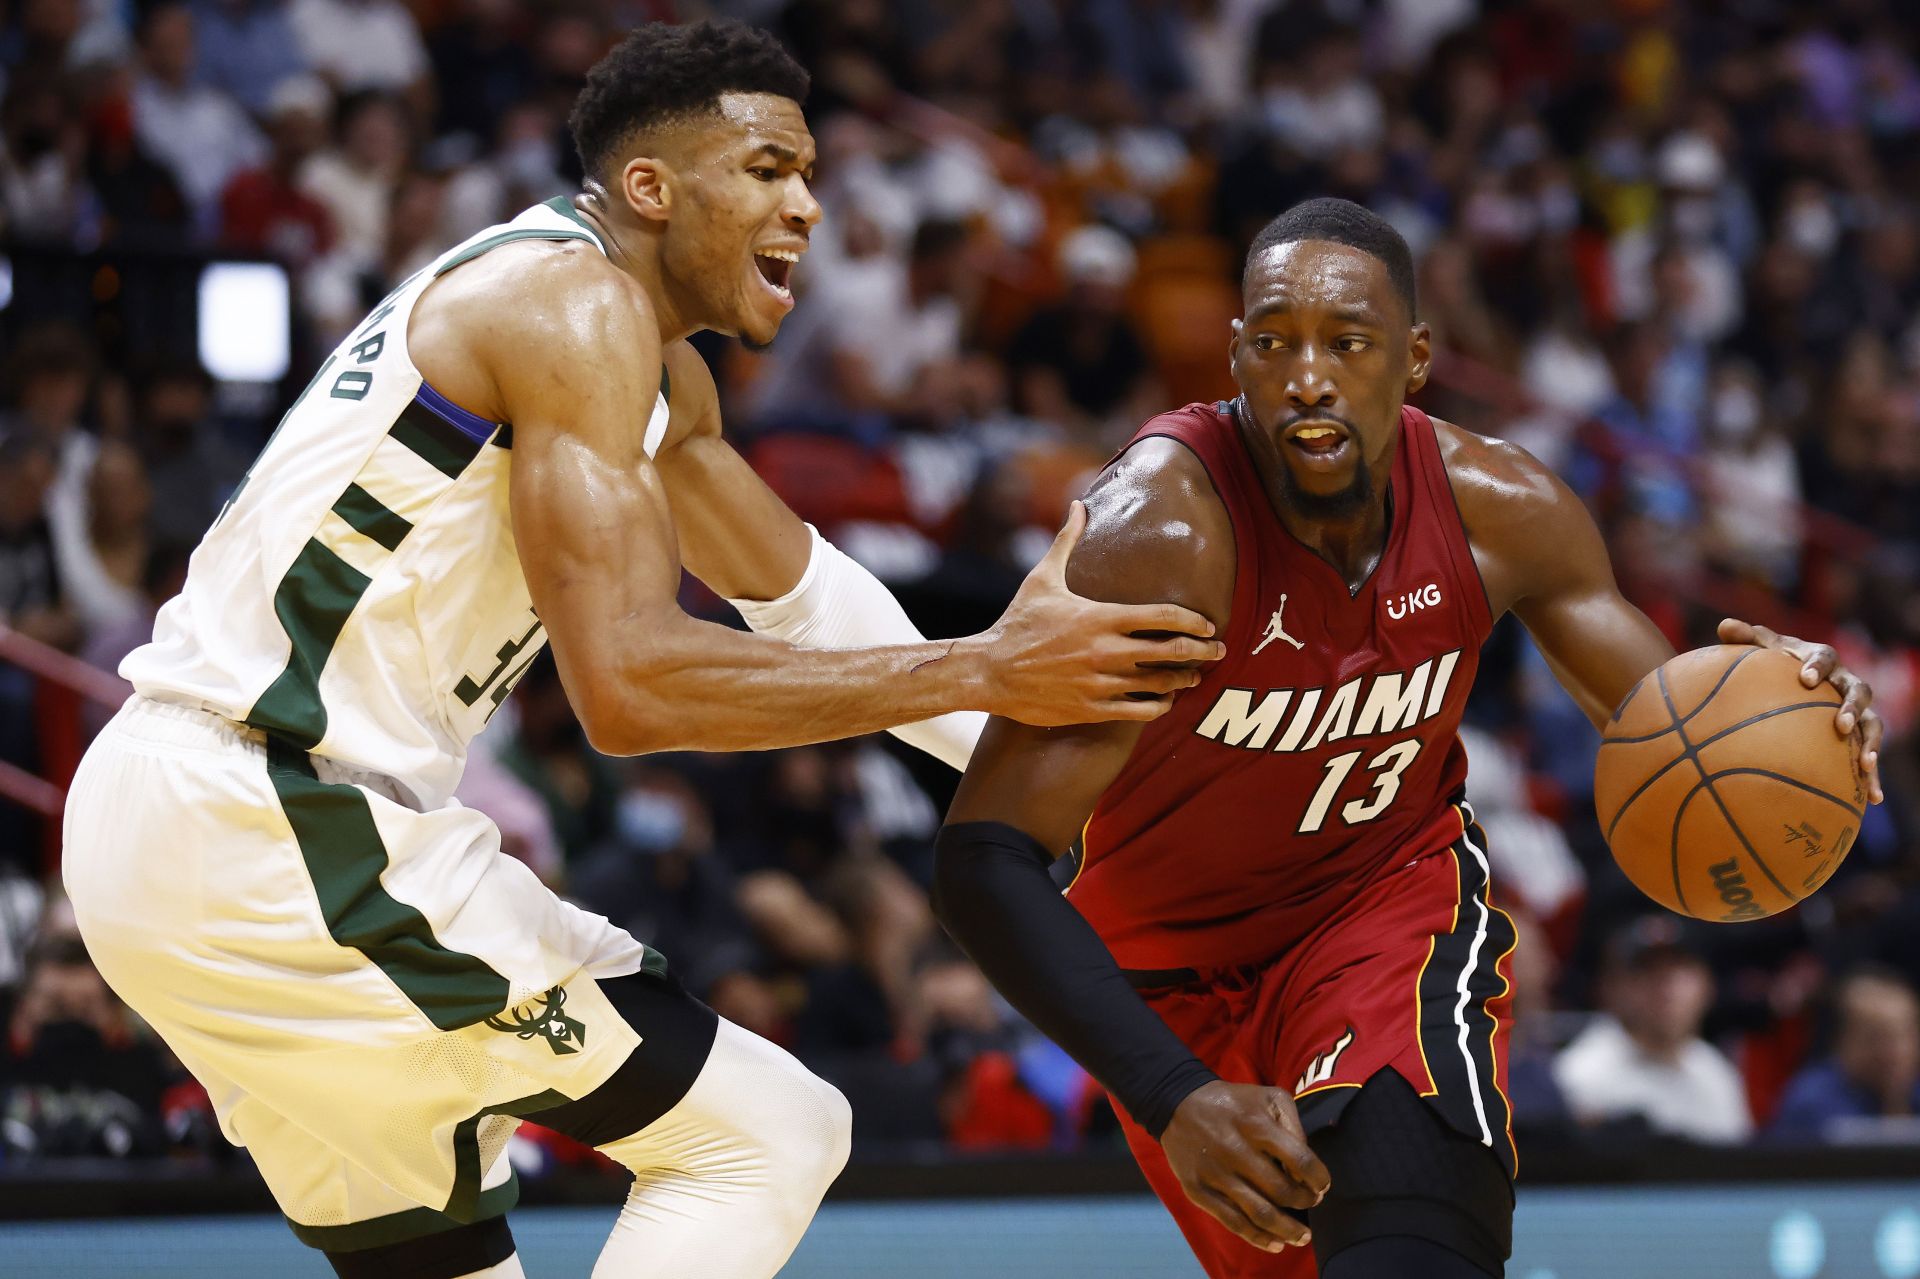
column 638, row 254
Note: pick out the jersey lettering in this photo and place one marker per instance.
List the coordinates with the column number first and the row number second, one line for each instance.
column 1388, row 702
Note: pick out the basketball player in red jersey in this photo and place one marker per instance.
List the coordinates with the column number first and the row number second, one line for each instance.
column 1284, row 868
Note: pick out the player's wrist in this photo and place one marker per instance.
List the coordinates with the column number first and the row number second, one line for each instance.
column 1156, row 1111
column 969, row 662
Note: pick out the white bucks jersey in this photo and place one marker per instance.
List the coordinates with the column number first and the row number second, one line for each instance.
column 361, row 598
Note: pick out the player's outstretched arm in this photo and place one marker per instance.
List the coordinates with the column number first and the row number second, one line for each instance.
column 787, row 581
column 1157, row 531
column 576, row 364
column 1541, row 555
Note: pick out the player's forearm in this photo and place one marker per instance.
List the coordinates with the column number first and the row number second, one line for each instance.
column 993, row 894
column 690, row 685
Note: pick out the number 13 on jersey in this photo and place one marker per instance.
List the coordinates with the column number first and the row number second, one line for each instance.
column 1386, row 767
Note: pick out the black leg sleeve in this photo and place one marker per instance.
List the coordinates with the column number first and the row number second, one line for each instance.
column 993, row 893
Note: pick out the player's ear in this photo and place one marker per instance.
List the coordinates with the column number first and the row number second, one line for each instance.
column 1233, row 342
column 644, row 183
column 1420, row 357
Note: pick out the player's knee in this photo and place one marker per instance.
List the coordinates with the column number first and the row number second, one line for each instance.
column 813, row 1148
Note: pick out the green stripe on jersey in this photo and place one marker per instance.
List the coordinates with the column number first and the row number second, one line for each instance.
column 312, row 603
column 435, row 439
column 333, row 824
column 367, row 515
column 508, row 237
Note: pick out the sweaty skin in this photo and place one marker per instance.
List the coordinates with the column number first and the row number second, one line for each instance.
column 568, row 345
column 1327, row 348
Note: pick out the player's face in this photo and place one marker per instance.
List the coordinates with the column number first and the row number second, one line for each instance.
column 743, row 215
column 1324, row 357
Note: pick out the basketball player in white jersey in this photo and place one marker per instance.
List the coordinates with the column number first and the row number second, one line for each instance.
column 518, row 448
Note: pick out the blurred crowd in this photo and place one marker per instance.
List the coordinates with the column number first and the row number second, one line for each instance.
column 1673, row 248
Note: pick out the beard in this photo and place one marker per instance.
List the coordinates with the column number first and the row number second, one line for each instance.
column 1343, row 504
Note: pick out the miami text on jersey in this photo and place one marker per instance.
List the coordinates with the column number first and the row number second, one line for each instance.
column 1373, row 703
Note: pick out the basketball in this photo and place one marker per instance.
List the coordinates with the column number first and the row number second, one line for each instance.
column 1722, row 788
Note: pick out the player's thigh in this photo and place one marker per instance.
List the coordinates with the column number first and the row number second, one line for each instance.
column 1400, row 1170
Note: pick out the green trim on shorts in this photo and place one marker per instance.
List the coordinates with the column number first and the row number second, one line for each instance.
column 468, row 1201
column 653, row 963
column 341, row 846
column 413, row 1223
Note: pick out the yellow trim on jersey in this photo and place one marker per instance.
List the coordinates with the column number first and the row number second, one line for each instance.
column 1081, row 869
column 1323, row 1088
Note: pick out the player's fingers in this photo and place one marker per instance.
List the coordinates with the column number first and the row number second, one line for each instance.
column 1734, row 631
column 1287, row 1146
column 1055, row 560
column 1162, row 617
column 1264, row 1211
column 1855, row 696
column 1230, row 1211
column 1175, row 648
column 1871, row 730
column 1139, row 710
column 1163, row 679
column 1817, row 661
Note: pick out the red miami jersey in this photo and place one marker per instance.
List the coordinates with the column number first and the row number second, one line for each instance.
column 1320, row 753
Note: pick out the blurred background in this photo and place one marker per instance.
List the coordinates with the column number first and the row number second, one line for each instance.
column 1671, row 247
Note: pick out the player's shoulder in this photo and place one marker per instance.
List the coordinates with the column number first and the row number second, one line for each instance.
column 558, row 301
column 1496, row 482
column 1156, row 530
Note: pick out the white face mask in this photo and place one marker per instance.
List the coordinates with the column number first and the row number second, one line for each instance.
column 649, row 821
column 1811, row 227
column 1736, row 412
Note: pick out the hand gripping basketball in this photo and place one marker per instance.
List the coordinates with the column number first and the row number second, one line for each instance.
column 1240, row 1153
column 1856, row 717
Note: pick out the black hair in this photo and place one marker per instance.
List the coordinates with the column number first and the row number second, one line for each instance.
column 1342, row 222
column 662, row 73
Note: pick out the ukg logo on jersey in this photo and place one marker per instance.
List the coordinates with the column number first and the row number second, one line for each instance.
column 1413, row 601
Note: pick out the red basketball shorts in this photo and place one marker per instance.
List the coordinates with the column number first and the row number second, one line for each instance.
column 1412, row 977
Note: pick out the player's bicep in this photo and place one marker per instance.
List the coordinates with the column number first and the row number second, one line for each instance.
column 1596, row 642
column 1044, row 781
column 596, row 546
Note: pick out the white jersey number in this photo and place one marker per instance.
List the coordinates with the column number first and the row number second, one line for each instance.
column 1392, row 762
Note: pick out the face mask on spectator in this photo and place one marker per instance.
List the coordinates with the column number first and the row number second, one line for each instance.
column 1812, row 228
column 1736, row 412
column 650, row 822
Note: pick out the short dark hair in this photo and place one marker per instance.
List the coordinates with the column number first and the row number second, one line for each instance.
column 1342, row 222
column 662, row 73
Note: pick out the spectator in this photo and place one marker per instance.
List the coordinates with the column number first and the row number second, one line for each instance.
column 190, row 468
column 30, row 597
column 77, row 1078
column 1081, row 362
column 198, row 133
column 247, row 49
column 1643, row 1058
column 891, row 319
column 264, row 210
column 1874, row 1069
column 363, row 45
column 102, row 560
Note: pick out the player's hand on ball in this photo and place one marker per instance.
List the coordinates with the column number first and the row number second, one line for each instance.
column 1058, row 658
column 1856, row 717
column 1240, row 1153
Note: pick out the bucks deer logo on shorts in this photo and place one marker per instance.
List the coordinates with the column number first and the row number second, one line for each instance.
column 541, row 1016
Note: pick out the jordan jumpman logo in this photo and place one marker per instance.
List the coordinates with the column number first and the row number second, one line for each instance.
column 1275, row 630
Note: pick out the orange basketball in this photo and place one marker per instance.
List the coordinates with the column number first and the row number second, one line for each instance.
column 1722, row 788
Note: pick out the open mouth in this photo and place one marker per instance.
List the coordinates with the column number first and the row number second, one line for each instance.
column 1320, row 439
column 776, row 269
